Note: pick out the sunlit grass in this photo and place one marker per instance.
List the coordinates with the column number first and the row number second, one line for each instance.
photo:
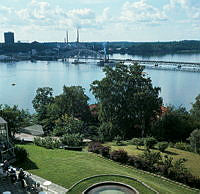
column 192, row 162
column 68, row 167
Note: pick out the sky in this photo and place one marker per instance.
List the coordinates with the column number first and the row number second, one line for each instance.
column 101, row 20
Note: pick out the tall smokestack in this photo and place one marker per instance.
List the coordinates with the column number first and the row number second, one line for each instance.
column 77, row 35
column 67, row 36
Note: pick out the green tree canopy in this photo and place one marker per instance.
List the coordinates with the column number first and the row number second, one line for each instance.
column 127, row 99
column 44, row 97
column 73, row 102
column 68, row 125
column 15, row 117
column 174, row 125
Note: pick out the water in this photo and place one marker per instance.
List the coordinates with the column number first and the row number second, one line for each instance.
column 192, row 57
column 110, row 188
column 178, row 88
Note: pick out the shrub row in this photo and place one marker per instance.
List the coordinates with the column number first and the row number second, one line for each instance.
column 98, row 148
column 67, row 139
column 74, row 139
column 151, row 162
column 47, row 142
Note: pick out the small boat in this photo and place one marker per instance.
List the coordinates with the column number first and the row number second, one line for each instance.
column 13, row 84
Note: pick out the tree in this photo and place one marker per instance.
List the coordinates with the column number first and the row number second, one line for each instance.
column 195, row 140
column 44, row 97
column 73, row 102
column 15, row 117
column 174, row 125
column 195, row 111
column 126, row 98
column 68, row 125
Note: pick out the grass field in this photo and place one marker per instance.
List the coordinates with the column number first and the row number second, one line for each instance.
column 79, row 188
column 67, row 167
column 192, row 162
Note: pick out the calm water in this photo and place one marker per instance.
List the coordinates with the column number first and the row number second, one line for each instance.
column 178, row 88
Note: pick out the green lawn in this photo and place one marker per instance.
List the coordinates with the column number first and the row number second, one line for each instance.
column 192, row 162
column 67, row 167
column 79, row 188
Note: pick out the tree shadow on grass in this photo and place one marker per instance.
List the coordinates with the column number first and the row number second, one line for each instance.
column 141, row 149
column 27, row 165
column 165, row 152
column 170, row 153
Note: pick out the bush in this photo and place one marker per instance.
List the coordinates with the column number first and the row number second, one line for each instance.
column 152, row 159
column 162, row 146
column 72, row 139
column 183, row 146
column 47, row 142
column 21, row 154
column 118, row 140
column 166, row 164
column 150, row 142
column 119, row 156
column 98, row 148
column 137, row 142
column 105, row 151
column 137, row 162
column 95, row 147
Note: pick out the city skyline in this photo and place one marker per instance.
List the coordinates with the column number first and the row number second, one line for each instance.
column 101, row 20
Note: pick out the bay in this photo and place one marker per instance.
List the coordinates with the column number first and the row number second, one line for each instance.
column 177, row 88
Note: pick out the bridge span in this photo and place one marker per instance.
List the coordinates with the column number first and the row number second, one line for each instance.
column 152, row 62
column 160, row 65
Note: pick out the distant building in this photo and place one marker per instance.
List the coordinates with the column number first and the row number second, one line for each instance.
column 9, row 37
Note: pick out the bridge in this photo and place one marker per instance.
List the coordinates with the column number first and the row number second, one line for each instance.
column 156, row 63
column 151, row 62
column 87, row 54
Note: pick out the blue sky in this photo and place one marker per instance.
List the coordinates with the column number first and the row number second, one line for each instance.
column 101, row 20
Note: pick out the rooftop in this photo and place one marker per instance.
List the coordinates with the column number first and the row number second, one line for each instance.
column 2, row 121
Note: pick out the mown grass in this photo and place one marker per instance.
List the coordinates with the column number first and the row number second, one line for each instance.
column 87, row 183
column 192, row 162
column 68, row 167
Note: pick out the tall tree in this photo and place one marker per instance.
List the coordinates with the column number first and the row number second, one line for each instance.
column 73, row 102
column 126, row 99
column 175, row 125
column 43, row 98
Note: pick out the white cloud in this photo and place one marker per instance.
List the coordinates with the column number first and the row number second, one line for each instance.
column 190, row 7
column 43, row 14
column 141, row 12
column 93, row 1
column 81, row 13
